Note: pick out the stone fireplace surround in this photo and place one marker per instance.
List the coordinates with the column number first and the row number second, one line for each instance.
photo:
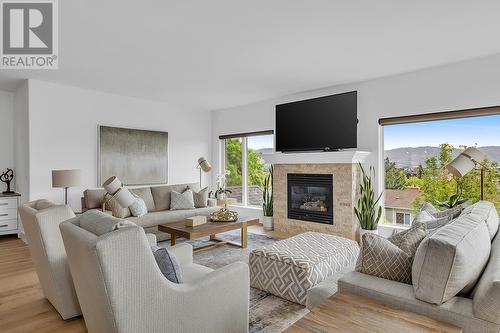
column 343, row 166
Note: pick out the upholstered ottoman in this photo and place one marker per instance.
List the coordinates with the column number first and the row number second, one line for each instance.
column 289, row 268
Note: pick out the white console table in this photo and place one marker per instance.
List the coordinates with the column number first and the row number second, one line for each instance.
column 8, row 213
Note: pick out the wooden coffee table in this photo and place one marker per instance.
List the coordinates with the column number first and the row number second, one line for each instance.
column 345, row 312
column 211, row 229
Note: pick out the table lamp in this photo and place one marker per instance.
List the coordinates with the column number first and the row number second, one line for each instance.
column 203, row 165
column 115, row 189
column 66, row 179
column 467, row 161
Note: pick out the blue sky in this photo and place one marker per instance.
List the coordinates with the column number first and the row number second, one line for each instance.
column 480, row 131
column 260, row 141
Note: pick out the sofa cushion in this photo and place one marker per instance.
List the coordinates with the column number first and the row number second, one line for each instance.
column 390, row 258
column 451, row 261
column 138, row 207
column 93, row 197
column 486, row 296
column 100, row 223
column 457, row 311
column 169, row 216
column 200, row 198
column 43, row 204
column 146, row 195
column 168, row 264
column 117, row 210
column 182, row 200
column 487, row 212
column 161, row 194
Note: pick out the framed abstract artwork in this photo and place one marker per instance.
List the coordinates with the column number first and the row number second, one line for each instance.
column 135, row 156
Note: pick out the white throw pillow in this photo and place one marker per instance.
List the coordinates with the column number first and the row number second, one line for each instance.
column 182, row 200
column 138, row 208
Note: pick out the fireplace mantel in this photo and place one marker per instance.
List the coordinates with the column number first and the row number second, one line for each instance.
column 334, row 157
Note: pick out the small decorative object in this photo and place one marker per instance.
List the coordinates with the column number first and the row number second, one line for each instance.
column 204, row 166
column 224, row 215
column 195, row 220
column 7, row 177
column 267, row 197
column 115, row 189
column 366, row 207
column 66, row 179
column 221, row 191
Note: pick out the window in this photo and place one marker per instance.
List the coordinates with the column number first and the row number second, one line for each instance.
column 247, row 169
column 416, row 155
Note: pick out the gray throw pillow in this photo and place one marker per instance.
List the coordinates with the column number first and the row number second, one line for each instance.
column 168, row 264
column 391, row 258
column 138, row 208
column 200, row 198
column 182, row 200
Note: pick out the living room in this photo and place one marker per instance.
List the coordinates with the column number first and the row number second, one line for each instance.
column 221, row 74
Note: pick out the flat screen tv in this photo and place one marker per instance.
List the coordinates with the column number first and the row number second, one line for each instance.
column 324, row 123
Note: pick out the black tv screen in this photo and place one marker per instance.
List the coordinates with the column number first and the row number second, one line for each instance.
column 324, row 123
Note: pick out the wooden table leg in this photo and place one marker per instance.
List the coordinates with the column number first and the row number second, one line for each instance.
column 244, row 238
column 172, row 239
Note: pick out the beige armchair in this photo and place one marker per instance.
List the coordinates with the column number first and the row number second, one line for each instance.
column 41, row 221
column 122, row 290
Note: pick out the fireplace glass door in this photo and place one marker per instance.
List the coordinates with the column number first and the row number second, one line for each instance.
column 310, row 197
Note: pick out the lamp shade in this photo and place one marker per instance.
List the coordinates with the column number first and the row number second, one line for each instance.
column 460, row 166
column 124, row 197
column 66, row 178
column 204, row 165
column 474, row 154
column 112, row 185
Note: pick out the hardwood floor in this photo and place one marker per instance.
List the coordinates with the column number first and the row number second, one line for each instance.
column 23, row 307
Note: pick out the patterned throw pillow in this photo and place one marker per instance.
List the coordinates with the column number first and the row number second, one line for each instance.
column 200, row 198
column 138, row 208
column 430, row 221
column 182, row 200
column 168, row 264
column 391, row 258
column 117, row 210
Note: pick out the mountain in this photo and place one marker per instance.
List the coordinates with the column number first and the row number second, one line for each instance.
column 411, row 157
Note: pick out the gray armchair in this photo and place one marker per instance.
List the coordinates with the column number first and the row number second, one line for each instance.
column 122, row 290
column 41, row 221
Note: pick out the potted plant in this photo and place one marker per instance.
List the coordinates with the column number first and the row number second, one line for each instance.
column 267, row 203
column 366, row 209
column 222, row 191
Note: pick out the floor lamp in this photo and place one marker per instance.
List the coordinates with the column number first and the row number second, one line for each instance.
column 469, row 159
column 66, row 179
column 204, row 166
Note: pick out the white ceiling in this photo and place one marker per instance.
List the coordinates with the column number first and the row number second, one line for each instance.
column 211, row 54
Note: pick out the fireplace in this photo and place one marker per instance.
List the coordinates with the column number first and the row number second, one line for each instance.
column 310, row 197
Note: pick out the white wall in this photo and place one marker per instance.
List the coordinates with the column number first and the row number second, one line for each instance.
column 470, row 84
column 21, row 141
column 6, row 133
column 63, row 134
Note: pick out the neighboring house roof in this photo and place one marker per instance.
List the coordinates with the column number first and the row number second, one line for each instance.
column 401, row 198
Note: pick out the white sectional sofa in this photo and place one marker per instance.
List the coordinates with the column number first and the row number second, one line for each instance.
column 476, row 307
column 157, row 199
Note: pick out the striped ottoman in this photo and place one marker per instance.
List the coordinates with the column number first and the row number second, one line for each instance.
column 289, row 268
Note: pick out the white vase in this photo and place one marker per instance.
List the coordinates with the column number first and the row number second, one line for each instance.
column 267, row 222
column 363, row 231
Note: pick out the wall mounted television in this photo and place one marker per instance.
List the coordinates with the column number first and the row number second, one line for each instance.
column 324, row 123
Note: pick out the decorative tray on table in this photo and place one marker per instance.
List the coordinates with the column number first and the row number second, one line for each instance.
column 224, row 215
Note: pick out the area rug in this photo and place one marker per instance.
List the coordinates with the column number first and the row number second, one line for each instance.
column 268, row 313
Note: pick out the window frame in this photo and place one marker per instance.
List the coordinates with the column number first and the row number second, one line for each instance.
column 244, row 159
